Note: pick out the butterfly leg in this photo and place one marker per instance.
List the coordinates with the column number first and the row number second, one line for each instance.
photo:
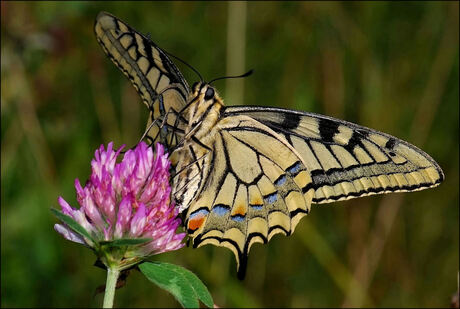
column 160, row 127
column 190, row 164
column 185, row 185
column 146, row 132
column 186, row 137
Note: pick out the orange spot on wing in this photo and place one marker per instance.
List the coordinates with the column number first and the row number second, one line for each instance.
column 196, row 223
column 239, row 210
column 256, row 201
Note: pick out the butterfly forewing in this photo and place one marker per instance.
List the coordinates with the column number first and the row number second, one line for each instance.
column 346, row 160
column 160, row 84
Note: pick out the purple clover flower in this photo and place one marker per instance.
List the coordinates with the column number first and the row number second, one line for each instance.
column 126, row 200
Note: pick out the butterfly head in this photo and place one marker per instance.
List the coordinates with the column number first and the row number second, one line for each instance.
column 205, row 104
column 205, row 92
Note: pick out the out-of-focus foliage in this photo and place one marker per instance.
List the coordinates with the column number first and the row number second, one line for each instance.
column 392, row 66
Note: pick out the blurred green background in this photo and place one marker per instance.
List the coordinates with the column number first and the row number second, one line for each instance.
column 392, row 66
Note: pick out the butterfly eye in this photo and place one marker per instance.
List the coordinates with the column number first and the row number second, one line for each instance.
column 209, row 94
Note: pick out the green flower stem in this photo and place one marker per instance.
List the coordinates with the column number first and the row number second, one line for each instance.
column 112, row 277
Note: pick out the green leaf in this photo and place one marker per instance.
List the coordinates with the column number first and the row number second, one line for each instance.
column 172, row 282
column 125, row 242
column 74, row 225
column 200, row 289
column 186, row 287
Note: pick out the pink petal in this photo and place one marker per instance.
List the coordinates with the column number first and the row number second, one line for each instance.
column 138, row 221
column 69, row 234
column 66, row 208
column 124, row 217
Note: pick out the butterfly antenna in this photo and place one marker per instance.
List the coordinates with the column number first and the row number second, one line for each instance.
column 193, row 69
column 239, row 76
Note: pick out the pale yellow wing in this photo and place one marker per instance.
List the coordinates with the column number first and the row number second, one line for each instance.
column 346, row 160
column 256, row 186
column 158, row 81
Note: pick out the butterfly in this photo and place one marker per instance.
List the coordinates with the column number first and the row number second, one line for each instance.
column 244, row 174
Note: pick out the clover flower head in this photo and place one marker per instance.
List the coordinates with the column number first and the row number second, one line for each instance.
column 128, row 200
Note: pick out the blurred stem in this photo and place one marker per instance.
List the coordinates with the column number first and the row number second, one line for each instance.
column 112, row 277
column 27, row 102
column 236, row 50
column 342, row 277
column 105, row 109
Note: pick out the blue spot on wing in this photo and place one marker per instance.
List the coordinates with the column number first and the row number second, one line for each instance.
column 281, row 180
column 220, row 209
column 293, row 169
column 202, row 211
column 257, row 207
column 271, row 198
column 238, row 218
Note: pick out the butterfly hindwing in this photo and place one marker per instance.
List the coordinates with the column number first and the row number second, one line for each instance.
column 256, row 186
column 346, row 160
column 158, row 81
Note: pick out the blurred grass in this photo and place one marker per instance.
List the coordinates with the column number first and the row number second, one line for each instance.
column 392, row 66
